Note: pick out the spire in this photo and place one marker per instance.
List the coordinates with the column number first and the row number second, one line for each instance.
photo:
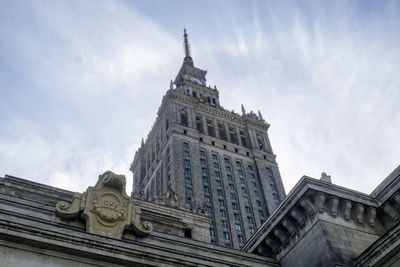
column 243, row 110
column 260, row 115
column 186, row 44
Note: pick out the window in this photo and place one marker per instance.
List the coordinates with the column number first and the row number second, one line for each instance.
column 224, row 146
column 234, row 206
column 217, row 174
column 268, row 170
column 236, row 150
column 187, row 162
column 209, row 210
column 228, row 245
column 186, row 153
column 222, row 213
column 252, row 175
column 188, row 180
column 231, row 187
column 214, row 156
column 228, row 169
column 236, row 216
column 216, row 165
column 212, row 232
column 250, row 168
column 250, row 219
column 260, row 213
column 205, row 179
column 246, row 200
column 189, row 201
column 221, row 202
column 256, row 193
column 224, row 224
column 242, row 181
column 185, row 145
column 188, row 172
column 189, row 191
column 201, row 139
column 206, row 189
column 202, row 153
column 248, row 209
column 258, row 203
column 204, row 170
column 240, row 172
column 273, row 187
column 238, row 163
column 207, row 199
column 254, row 184
column 203, row 161
column 233, row 196
column 276, row 204
column 226, row 160
column 270, row 178
column 226, row 235
column 213, row 242
column 275, row 196
column 247, row 153
column 244, row 190
column 213, row 143
column 238, row 227
column 219, row 192
column 229, row 177
column 218, row 183
column 240, row 239
column 252, row 230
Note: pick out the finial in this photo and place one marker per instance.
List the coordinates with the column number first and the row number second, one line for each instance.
column 260, row 115
column 326, row 178
column 142, row 142
column 243, row 110
column 171, row 85
column 186, row 44
column 215, row 87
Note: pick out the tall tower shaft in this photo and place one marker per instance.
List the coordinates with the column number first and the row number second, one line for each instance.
column 216, row 161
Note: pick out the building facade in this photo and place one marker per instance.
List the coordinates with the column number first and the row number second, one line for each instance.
column 218, row 162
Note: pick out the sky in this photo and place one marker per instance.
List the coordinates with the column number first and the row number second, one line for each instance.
column 81, row 82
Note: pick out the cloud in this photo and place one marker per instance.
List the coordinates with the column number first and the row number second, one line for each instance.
column 329, row 91
column 326, row 76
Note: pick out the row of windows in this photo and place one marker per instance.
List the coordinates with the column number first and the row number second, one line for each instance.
column 188, row 172
column 226, row 235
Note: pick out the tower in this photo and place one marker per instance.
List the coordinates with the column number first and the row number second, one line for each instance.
column 216, row 161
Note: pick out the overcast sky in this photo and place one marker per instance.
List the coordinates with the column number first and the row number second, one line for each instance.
column 81, row 82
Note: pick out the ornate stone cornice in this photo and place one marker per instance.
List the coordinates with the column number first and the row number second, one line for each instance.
column 311, row 200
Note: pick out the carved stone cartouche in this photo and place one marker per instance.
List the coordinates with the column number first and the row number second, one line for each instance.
column 106, row 208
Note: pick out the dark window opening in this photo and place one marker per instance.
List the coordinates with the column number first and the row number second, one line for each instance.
column 188, row 233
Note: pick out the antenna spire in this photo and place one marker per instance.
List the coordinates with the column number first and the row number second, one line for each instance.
column 186, row 44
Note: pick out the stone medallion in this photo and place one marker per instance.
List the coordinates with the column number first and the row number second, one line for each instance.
column 106, row 208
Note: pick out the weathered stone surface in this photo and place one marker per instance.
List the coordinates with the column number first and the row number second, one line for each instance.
column 106, row 208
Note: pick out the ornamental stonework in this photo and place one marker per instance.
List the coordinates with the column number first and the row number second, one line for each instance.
column 106, row 208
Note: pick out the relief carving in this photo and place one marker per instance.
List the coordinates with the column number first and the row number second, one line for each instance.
column 106, row 208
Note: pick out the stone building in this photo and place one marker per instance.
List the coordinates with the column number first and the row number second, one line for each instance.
column 217, row 161
column 173, row 220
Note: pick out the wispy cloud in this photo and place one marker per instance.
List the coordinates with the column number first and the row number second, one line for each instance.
column 325, row 75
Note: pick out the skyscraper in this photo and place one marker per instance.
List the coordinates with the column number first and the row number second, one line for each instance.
column 215, row 160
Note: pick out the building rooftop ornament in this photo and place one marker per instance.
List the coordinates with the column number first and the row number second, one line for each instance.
column 106, row 208
column 186, row 44
column 326, row 178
